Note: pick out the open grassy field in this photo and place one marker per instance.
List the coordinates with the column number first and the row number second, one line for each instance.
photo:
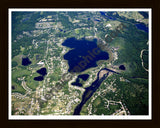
column 19, row 73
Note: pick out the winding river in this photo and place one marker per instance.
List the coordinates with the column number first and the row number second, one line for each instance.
column 89, row 91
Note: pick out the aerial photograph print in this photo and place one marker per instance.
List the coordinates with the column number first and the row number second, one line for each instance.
column 79, row 63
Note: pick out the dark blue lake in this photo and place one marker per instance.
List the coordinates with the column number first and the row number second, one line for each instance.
column 145, row 14
column 77, row 83
column 83, row 54
column 42, row 71
column 83, row 77
column 142, row 26
column 38, row 78
column 13, row 87
column 122, row 67
column 26, row 61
